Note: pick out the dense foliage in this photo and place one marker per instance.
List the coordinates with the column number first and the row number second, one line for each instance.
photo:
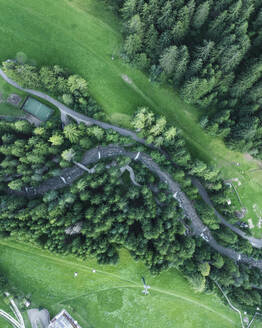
column 112, row 213
column 208, row 49
column 104, row 211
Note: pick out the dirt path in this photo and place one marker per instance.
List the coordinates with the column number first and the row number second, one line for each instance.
column 69, row 175
column 66, row 111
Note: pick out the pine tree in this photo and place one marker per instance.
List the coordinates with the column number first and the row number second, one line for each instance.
column 133, row 44
column 72, row 133
column 201, row 14
column 56, row 140
column 169, row 60
column 128, row 9
column 247, row 78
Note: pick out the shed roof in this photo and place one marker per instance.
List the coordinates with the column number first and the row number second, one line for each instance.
column 63, row 320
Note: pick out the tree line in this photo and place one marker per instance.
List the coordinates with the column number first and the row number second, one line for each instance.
column 210, row 51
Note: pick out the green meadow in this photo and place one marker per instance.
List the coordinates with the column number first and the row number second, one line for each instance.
column 112, row 296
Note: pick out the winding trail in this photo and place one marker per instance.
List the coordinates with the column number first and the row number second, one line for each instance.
column 253, row 241
column 231, row 305
column 69, row 175
column 131, row 173
column 66, row 111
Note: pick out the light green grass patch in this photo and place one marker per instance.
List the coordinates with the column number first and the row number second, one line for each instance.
column 120, row 119
column 82, row 35
column 8, row 110
column 112, row 297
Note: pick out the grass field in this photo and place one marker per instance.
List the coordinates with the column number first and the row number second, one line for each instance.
column 112, row 296
column 8, row 110
column 83, row 36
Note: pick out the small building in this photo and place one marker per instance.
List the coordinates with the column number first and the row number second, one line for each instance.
column 63, row 320
column 38, row 318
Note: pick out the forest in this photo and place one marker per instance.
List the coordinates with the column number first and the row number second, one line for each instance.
column 106, row 209
column 159, row 176
column 210, row 52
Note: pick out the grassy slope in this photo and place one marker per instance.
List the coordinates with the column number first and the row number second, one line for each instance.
column 82, row 36
column 112, row 296
column 7, row 109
